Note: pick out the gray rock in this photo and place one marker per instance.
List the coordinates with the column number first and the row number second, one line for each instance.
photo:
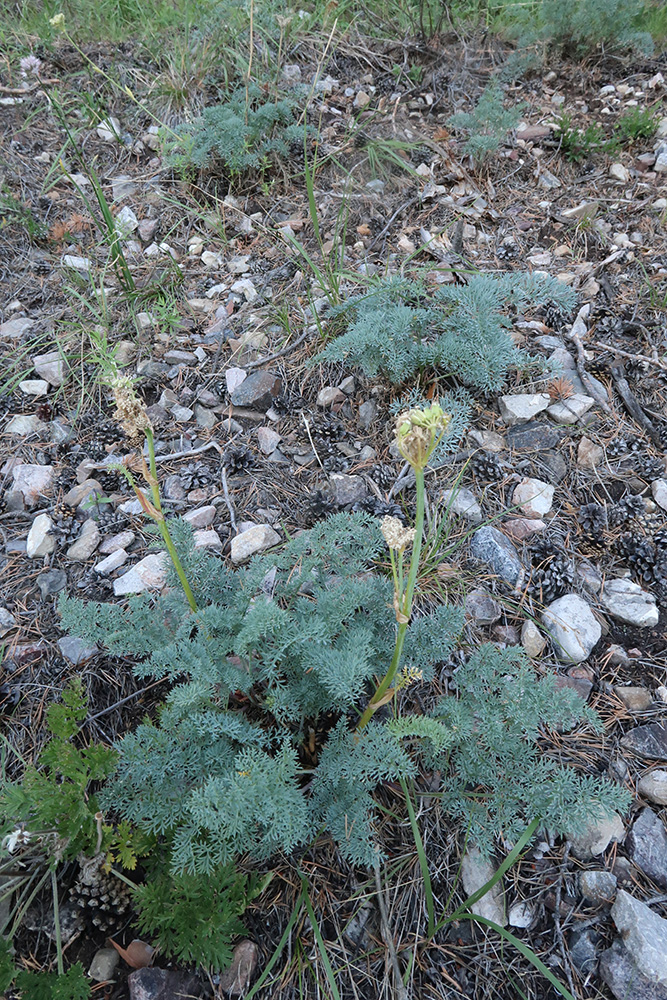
column 207, row 538
column 521, row 408
column 598, row 886
column 259, row 390
column 590, row 577
column 162, row 984
column 568, row 411
column 582, row 949
column 626, row 982
column 552, row 466
column 368, row 412
column 521, row 914
column 109, row 130
column 51, row 581
column 268, row 439
column 490, row 546
column 647, row 846
column 75, row 650
column 122, row 186
column 653, row 786
column 347, row 385
column 532, row 640
column 110, row 563
column 481, row 607
column 249, row 543
column 79, row 494
column 596, row 837
column 86, row 543
column 330, row 395
column 204, row 417
column 659, row 491
column 462, row 501
column 347, row 489
column 534, row 437
column 647, row 741
column 148, row 574
column 34, row 387
column 126, row 222
column 152, row 369
column 236, row 979
column 51, row 367
column 475, row 872
column 589, row 454
column 203, row 517
column 104, row 964
column 627, row 602
column 75, row 263
column 635, row 699
column 24, row 424
column 15, row 328
column 122, row 540
column 644, row 935
column 7, row 622
column 574, row 629
column 40, row 540
column 534, row 497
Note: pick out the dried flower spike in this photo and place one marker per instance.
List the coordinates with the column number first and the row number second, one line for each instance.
column 419, row 432
column 130, row 410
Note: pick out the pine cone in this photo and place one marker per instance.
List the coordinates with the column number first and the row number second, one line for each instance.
column 327, row 427
column 104, row 900
column 593, row 519
column 617, row 446
column 383, row 475
column 378, row 508
column 486, row 465
column 238, row 458
column 650, row 468
column 319, row 505
column 553, row 571
column 106, row 433
column 641, row 555
column 334, row 462
column 196, row 476
column 625, row 510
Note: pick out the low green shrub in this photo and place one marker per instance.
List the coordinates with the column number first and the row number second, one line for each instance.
column 400, row 329
column 488, row 124
column 578, row 144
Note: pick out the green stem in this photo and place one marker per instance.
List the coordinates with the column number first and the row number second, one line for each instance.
column 405, row 606
column 56, row 922
column 162, row 524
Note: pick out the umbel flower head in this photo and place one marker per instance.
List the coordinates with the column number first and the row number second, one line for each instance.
column 419, row 432
column 58, row 21
column 130, row 410
column 396, row 535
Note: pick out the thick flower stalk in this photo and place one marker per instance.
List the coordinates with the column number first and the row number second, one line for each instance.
column 418, row 433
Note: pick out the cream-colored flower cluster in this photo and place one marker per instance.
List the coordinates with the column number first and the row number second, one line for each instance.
column 130, row 410
column 396, row 535
column 418, row 433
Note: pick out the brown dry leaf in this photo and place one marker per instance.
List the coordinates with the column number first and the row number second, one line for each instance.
column 441, row 134
column 364, row 229
column 138, row 954
column 76, row 223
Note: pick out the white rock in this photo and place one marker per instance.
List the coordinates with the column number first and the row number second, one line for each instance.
column 126, row 222
column 111, row 562
column 627, row 602
column 234, row 377
column 596, row 837
column 40, row 542
column 533, row 496
column 653, row 786
column 476, row 871
column 7, row 623
column 81, row 264
column 462, row 502
column 532, row 640
column 584, row 210
column 109, row 130
column 203, row 517
column 268, row 439
column 521, row 914
column 50, row 367
column 523, row 407
column 644, row 935
column 619, row 173
column 86, row 543
column 568, row 411
column 245, row 287
column 34, row 387
column 24, row 424
column 589, row 454
column 252, row 541
column 573, row 628
column 119, row 541
column 329, row 395
column 15, row 328
column 207, row 538
column 149, row 574
column 32, row 481
column 660, row 165
column 659, row 491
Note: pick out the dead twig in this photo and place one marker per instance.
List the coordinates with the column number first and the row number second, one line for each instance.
column 228, row 502
column 631, row 357
column 632, row 406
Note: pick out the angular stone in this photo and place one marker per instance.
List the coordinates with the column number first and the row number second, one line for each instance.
column 647, row 741
column 584, row 210
column 568, row 411
column 330, row 395
column 618, row 172
column 659, row 491
column 104, row 964
column 347, row 489
column 521, row 528
column 490, row 546
column 258, row 389
column 534, row 497
column 644, row 935
column 15, row 328
column 249, row 543
column 624, row 979
column 51, row 367
column 596, row 837
column 109, row 130
column 582, row 949
column 236, row 979
column 75, row 650
column 7, row 623
column 40, row 541
column 120, row 541
column 578, row 679
column 646, row 845
column 51, row 581
column 148, row 574
column 574, row 629
column 162, row 984
column 532, row 640
column 627, row 602
column 176, row 357
column 635, row 699
column 534, row 437
column 598, row 886
column 589, row 454
column 79, row 494
column 75, row 263
column 207, row 538
column 34, row 387
column 205, row 418
column 521, row 914
column 653, row 786
column 24, row 424
column 523, row 407
column 481, row 607
column 203, row 517
column 476, row 871
column 86, row 543
column 368, row 412
column 111, row 562
column 126, row 222
column 268, row 440
column 462, row 501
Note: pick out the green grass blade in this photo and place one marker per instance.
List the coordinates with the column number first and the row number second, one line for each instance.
column 279, row 948
column 320, row 942
column 423, row 863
